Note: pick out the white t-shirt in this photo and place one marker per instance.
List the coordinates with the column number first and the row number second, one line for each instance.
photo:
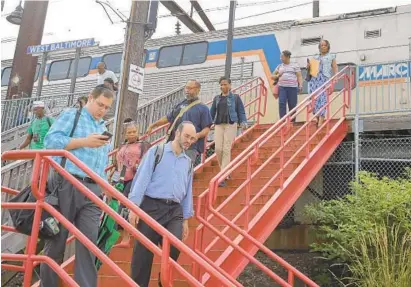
column 105, row 75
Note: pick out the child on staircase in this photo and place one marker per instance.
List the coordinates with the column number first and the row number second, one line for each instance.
column 127, row 160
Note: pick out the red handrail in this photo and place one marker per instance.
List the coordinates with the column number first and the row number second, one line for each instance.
column 44, row 157
column 39, row 258
column 209, row 196
column 261, row 106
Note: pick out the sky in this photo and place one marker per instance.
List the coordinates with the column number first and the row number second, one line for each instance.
column 80, row 19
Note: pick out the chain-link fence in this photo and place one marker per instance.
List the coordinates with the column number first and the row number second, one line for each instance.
column 387, row 157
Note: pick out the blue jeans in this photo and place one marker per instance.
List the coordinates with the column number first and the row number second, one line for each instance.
column 287, row 95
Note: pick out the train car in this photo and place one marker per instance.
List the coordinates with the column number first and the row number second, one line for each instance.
column 359, row 38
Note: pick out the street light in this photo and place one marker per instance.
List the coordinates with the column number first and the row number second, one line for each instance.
column 16, row 16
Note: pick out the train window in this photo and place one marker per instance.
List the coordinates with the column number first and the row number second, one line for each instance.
column 195, row 53
column 5, row 76
column 83, row 67
column 170, row 56
column 59, row 70
column 113, row 62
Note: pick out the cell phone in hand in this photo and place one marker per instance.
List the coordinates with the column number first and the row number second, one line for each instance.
column 106, row 133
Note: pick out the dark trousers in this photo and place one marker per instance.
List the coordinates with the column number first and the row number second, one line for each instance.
column 169, row 215
column 85, row 215
column 287, row 95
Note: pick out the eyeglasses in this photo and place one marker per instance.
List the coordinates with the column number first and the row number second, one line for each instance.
column 102, row 106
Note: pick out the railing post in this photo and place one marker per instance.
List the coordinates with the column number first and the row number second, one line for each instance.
column 346, row 86
column 260, row 92
column 290, row 278
column 199, row 235
column 165, row 263
column 282, row 156
column 247, row 194
column 357, row 127
column 307, row 132
column 328, row 105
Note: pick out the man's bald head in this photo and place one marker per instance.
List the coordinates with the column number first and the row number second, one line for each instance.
column 101, row 67
column 186, row 135
column 195, row 82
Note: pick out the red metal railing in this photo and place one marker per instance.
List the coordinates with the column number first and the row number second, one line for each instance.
column 205, row 210
column 257, row 104
column 42, row 161
column 29, row 259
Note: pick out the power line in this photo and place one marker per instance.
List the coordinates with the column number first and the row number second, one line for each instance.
column 268, row 12
column 227, row 7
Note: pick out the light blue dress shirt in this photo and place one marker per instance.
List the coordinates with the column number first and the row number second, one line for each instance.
column 172, row 179
column 58, row 138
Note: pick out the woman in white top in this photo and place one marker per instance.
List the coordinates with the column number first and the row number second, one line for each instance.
column 290, row 81
column 328, row 68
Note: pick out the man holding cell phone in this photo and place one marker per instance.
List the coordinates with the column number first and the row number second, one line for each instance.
column 83, row 133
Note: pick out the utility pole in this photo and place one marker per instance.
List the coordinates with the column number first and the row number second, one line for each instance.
column 127, row 101
column 229, row 52
column 30, row 34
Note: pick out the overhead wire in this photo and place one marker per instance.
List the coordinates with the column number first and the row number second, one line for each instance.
column 267, row 12
column 244, row 5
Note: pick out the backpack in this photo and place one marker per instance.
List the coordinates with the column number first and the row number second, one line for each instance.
column 158, row 155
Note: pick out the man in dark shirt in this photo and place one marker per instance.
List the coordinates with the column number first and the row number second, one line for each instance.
column 198, row 114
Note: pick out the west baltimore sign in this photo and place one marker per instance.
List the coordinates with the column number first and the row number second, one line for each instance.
column 60, row 46
column 384, row 73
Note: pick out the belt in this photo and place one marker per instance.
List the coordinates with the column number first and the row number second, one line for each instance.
column 164, row 200
column 84, row 178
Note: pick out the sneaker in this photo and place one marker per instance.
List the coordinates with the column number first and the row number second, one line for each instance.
column 222, row 184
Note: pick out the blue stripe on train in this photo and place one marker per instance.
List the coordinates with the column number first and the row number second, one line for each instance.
column 267, row 43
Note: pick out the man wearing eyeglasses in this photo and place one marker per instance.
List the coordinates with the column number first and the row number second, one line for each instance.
column 191, row 109
column 89, row 145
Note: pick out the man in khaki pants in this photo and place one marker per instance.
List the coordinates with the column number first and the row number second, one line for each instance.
column 227, row 112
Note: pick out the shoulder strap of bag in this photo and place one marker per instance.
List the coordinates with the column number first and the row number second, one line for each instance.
column 76, row 119
column 123, row 172
column 180, row 114
column 48, row 121
column 158, row 155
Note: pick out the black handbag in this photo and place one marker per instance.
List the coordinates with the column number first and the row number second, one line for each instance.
column 308, row 75
column 23, row 218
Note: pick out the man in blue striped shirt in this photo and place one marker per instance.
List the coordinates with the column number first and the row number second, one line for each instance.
column 165, row 193
column 89, row 145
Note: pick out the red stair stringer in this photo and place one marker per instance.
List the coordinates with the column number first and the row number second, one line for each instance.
column 276, row 208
